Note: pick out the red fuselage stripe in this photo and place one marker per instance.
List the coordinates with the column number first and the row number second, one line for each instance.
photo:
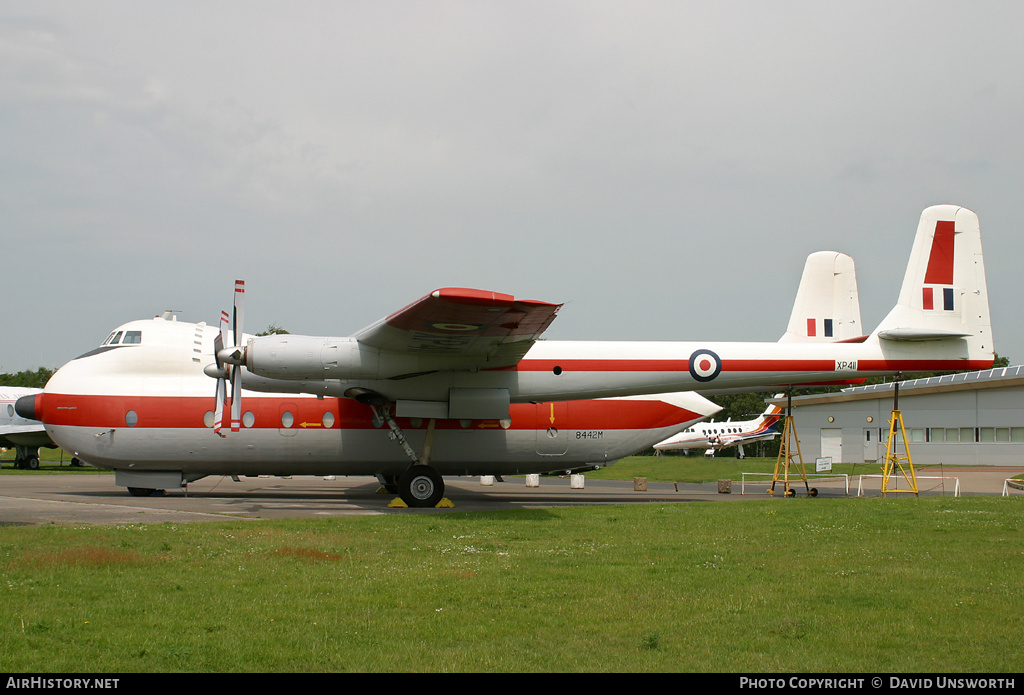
column 751, row 365
column 189, row 412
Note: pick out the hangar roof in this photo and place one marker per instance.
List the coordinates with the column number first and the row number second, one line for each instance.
column 1001, row 377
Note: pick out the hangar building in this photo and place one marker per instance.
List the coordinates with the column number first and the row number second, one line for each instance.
column 970, row 418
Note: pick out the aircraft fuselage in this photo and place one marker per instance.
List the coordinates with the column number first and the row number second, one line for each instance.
column 149, row 407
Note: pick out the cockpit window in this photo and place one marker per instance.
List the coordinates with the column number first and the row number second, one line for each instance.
column 124, row 338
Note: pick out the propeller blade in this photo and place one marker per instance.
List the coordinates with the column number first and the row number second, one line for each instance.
column 239, row 310
column 221, row 395
column 236, row 398
column 218, row 409
column 220, row 338
column 236, row 371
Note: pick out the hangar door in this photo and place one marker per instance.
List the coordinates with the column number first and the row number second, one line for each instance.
column 832, row 444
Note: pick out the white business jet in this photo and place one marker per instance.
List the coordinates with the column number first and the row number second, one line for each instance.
column 715, row 436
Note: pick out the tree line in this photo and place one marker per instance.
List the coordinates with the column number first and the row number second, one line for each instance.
column 26, row 379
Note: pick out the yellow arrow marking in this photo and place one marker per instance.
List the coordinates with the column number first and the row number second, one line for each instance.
column 552, row 413
column 311, row 424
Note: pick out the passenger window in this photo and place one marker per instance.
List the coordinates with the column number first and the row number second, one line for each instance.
column 132, row 337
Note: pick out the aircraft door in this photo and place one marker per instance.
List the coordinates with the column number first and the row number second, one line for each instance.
column 871, row 436
column 552, row 428
column 832, row 443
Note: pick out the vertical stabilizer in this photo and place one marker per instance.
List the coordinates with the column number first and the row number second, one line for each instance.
column 827, row 306
column 944, row 294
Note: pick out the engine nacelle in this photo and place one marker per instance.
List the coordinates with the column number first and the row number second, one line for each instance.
column 308, row 357
column 287, row 356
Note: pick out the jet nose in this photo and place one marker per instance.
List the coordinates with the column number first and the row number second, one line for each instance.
column 26, row 407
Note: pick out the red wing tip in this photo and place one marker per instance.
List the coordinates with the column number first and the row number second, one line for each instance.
column 468, row 295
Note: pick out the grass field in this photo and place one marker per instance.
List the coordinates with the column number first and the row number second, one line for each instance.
column 841, row 585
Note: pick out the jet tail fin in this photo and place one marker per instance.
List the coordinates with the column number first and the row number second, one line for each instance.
column 827, row 306
column 944, row 296
column 773, row 409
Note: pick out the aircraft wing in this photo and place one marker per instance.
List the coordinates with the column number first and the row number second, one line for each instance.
column 16, row 430
column 25, row 435
column 475, row 327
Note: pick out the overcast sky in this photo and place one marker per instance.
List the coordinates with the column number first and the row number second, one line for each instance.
column 663, row 168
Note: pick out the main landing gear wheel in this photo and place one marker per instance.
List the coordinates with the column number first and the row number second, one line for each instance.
column 421, row 486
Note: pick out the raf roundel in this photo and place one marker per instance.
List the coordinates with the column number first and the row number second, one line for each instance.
column 705, row 365
column 455, row 327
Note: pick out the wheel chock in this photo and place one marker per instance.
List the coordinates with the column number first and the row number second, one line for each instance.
column 445, row 502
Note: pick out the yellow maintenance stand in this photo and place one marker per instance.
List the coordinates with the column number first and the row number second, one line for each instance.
column 787, row 454
column 893, row 459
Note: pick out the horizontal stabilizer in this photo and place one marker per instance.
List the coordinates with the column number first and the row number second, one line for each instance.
column 899, row 334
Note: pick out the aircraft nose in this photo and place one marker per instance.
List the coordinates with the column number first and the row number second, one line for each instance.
column 26, row 407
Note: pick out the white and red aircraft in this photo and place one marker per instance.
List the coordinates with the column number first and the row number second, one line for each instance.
column 26, row 436
column 715, row 436
column 461, row 382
